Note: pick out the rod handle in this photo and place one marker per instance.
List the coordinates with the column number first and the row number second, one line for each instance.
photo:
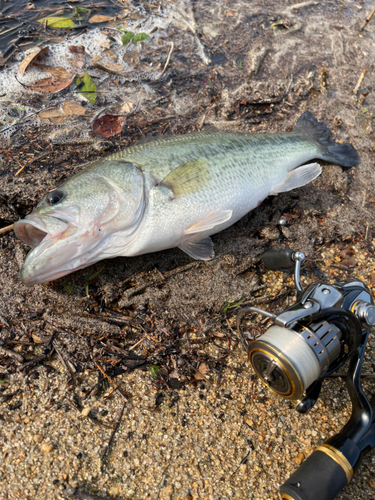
column 321, row 476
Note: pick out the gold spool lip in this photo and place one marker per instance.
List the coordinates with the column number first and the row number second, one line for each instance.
column 353, row 305
column 276, row 355
column 285, row 496
column 339, row 458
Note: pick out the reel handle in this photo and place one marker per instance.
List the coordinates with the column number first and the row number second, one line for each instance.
column 319, row 477
column 276, row 259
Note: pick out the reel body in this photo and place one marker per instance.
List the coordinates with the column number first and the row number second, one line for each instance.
column 327, row 325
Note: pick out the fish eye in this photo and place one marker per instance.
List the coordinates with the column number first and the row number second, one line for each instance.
column 54, row 197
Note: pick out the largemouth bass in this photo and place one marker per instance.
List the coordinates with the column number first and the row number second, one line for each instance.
column 171, row 192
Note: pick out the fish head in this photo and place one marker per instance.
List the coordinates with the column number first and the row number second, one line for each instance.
column 73, row 225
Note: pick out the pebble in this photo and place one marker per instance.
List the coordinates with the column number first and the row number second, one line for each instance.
column 37, row 438
column 299, row 458
column 114, row 491
column 47, row 448
column 86, row 411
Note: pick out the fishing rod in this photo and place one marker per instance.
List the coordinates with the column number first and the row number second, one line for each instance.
column 327, row 326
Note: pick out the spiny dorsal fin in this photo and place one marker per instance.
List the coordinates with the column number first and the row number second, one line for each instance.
column 188, row 178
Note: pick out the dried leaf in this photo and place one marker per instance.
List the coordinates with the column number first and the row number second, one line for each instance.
column 127, row 107
column 203, row 368
column 109, row 54
column 108, row 125
column 131, row 57
column 43, row 67
column 49, row 85
column 62, row 114
column 59, row 73
column 198, row 376
column 37, row 56
column 55, row 115
column 105, row 43
column 77, row 50
column 87, row 88
column 57, row 22
column 114, row 66
column 77, row 62
column 100, row 19
column 72, row 108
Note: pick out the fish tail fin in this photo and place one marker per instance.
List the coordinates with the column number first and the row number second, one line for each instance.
column 341, row 154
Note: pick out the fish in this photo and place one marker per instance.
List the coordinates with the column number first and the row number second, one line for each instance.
column 174, row 191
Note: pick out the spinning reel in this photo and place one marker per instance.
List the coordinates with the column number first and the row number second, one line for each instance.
column 328, row 325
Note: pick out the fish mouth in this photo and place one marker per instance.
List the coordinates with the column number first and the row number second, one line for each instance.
column 41, row 233
column 33, row 231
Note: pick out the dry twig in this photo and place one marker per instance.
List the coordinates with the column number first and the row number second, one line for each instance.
column 114, row 432
column 367, row 20
column 11, row 354
column 360, row 80
column 166, row 63
column 7, row 229
column 118, row 388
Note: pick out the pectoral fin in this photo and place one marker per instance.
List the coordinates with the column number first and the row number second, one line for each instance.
column 188, row 178
column 199, row 250
column 298, row 177
column 211, row 220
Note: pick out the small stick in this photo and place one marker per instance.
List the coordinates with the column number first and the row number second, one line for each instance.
column 11, row 354
column 16, row 28
column 32, row 161
column 7, row 229
column 167, row 62
column 135, row 345
column 118, row 388
column 360, row 80
column 127, row 2
column 114, row 432
column 367, row 20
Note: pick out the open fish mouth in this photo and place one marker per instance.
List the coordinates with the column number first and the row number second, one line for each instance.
column 35, row 230
column 42, row 233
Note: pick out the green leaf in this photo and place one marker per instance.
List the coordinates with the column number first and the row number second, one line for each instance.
column 127, row 37
column 57, row 22
column 81, row 10
column 231, row 304
column 80, row 13
column 154, row 370
column 88, row 89
column 139, row 37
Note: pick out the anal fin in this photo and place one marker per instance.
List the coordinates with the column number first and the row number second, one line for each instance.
column 199, row 250
column 213, row 219
column 298, row 177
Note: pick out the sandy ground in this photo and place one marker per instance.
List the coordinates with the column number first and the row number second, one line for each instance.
column 219, row 433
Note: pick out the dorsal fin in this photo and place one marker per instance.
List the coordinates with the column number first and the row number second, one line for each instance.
column 188, row 178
